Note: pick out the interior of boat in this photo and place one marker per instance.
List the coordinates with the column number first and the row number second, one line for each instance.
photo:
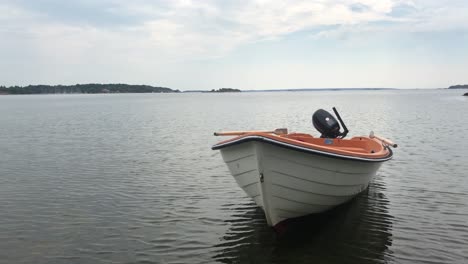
column 355, row 144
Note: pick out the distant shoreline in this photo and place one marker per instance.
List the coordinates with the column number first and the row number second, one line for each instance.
column 91, row 88
column 294, row 90
column 459, row 86
column 321, row 89
column 127, row 88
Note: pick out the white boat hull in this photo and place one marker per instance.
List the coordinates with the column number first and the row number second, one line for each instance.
column 288, row 183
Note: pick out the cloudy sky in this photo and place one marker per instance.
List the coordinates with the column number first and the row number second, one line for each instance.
column 256, row 44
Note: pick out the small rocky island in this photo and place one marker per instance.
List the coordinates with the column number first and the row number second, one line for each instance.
column 92, row 88
column 466, row 94
column 225, row 90
column 459, row 86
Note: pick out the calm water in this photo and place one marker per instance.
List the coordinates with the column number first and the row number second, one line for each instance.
column 132, row 179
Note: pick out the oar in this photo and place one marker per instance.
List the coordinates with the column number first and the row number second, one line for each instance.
column 278, row 131
column 384, row 140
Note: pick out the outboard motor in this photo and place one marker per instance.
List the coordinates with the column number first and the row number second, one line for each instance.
column 327, row 125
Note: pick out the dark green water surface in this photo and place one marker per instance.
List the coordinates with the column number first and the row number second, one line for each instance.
column 132, row 179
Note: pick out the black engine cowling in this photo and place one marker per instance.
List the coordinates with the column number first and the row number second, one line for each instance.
column 326, row 124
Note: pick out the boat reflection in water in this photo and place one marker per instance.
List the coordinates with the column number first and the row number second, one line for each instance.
column 356, row 232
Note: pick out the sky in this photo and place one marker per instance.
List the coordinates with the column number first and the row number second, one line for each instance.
column 249, row 45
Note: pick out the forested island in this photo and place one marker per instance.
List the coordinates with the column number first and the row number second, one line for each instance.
column 225, row 90
column 460, row 86
column 92, row 88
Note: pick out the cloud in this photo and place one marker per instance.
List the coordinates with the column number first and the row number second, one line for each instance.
column 181, row 28
column 122, row 36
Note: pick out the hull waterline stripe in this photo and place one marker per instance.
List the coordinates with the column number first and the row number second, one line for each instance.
column 299, row 148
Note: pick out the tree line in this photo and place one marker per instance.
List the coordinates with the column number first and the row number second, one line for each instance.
column 91, row 88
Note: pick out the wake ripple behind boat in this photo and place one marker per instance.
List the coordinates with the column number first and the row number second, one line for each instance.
column 294, row 174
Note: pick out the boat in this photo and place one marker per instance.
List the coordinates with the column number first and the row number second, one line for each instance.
column 290, row 175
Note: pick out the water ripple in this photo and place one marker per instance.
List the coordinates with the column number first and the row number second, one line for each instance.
column 132, row 179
